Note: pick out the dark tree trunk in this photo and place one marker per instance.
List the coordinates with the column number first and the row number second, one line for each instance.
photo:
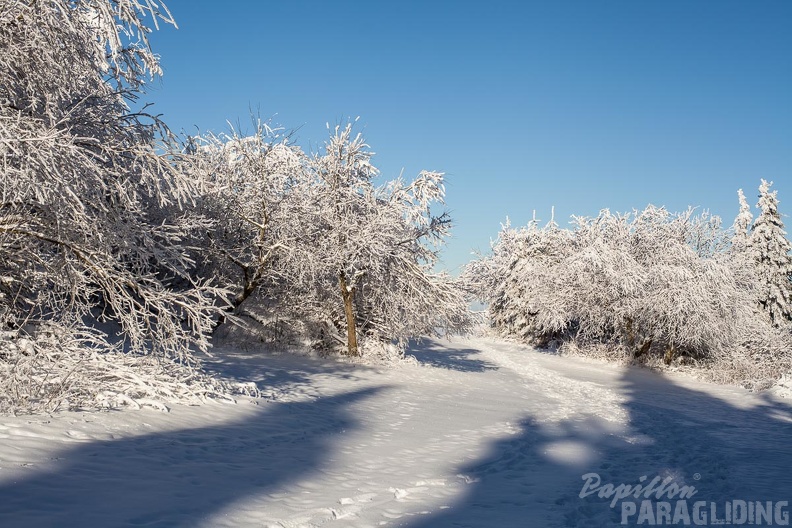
column 631, row 338
column 249, row 286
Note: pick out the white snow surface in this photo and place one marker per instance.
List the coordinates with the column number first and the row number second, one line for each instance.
column 479, row 433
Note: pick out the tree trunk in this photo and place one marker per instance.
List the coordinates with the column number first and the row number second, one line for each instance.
column 670, row 354
column 629, row 333
column 631, row 338
column 348, row 295
column 248, row 288
column 644, row 348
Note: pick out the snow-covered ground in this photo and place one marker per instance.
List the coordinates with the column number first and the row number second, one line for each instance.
column 481, row 433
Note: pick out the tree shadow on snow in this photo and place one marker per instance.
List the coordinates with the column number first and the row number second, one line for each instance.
column 724, row 451
column 278, row 371
column 181, row 478
column 435, row 354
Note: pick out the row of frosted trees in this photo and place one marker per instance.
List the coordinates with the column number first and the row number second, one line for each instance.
column 668, row 289
column 314, row 242
column 123, row 248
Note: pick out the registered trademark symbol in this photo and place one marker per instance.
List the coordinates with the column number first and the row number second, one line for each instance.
column 696, row 476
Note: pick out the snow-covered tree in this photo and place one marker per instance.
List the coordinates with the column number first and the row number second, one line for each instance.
column 513, row 279
column 651, row 285
column 372, row 249
column 83, row 187
column 770, row 250
column 705, row 233
column 255, row 190
column 315, row 241
column 651, row 281
column 742, row 224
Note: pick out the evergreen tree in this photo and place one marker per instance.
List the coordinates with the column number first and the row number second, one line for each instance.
column 742, row 224
column 770, row 250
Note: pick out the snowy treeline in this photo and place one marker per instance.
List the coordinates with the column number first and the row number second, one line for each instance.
column 673, row 289
column 122, row 250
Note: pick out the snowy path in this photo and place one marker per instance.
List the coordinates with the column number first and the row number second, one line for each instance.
column 483, row 433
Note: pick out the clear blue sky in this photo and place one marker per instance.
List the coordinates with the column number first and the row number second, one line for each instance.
column 524, row 105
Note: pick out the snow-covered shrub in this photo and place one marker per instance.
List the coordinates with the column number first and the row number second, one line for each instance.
column 73, row 368
column 83, row 186
column 515, row 303
column 653, row 278
column 652, row 285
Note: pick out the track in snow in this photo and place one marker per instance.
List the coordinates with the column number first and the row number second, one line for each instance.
column 483, row 433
